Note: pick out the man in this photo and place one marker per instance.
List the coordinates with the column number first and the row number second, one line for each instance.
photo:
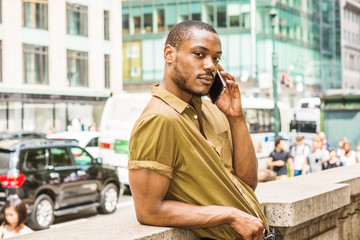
column 192, row 163
column 278, row 159
column 300, row 152
column 318, row 158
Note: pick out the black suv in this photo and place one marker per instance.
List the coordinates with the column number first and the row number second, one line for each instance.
column 54, row 178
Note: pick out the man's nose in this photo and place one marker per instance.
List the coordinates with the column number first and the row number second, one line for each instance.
column 209, row 64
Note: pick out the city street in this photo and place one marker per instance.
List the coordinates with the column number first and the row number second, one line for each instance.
column 125, row 203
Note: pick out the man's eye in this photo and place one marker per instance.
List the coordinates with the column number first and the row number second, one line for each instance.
column 217, row 59
column 199, row 54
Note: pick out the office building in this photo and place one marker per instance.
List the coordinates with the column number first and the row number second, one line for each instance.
column 60, row 60
column 305, row 37
column 350, row 43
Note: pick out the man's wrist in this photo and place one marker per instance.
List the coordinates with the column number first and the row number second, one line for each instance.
column 236, row 119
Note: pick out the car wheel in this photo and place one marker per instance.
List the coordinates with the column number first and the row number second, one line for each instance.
column 108, row 199
column 42, row 215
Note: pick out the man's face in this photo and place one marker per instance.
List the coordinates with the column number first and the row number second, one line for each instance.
column 281, row 144
column 196, row 62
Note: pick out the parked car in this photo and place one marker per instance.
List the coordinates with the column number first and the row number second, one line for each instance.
column 54, row 178
column 86, row 139
column 4, row 135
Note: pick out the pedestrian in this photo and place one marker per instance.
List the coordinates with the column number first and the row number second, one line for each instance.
column 279, row 158
column 324, row 142
column 192, row 163
column 358, row 150
column 340, row 151
column 349, row 157
column 300, row 152
column 317, row 158
column 333, row 160
column 15, row 218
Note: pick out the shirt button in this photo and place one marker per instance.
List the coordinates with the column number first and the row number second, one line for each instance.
column 196, row 117
column 187, row 106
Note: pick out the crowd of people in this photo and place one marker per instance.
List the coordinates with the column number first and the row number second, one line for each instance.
column 302, row 159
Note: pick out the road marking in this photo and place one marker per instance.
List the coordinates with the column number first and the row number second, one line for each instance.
column 125, row 204
column 81, row 220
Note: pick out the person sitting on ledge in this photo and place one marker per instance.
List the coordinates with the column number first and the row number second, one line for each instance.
column 192, row 163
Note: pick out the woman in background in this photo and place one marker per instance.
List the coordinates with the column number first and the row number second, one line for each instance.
column 15, row 218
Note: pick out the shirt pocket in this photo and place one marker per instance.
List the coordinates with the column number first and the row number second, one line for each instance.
column 224, row 148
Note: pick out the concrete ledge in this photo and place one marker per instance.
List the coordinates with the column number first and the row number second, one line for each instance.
column 113, row 226
column 324, row 205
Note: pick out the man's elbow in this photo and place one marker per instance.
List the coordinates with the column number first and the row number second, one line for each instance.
column 144, row 217
column 253, row 186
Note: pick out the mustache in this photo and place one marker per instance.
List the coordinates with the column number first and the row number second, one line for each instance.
column 205, row 74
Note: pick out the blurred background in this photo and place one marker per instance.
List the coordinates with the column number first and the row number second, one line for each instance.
column 62, row 59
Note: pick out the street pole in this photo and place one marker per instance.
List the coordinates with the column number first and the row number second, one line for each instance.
column 273, row 14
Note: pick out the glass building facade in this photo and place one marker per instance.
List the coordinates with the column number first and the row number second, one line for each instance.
column 305, row 36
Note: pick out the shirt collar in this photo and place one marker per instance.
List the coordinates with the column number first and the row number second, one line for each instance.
column 172, row 100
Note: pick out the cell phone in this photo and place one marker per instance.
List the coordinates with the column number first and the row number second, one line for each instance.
column 217, row 88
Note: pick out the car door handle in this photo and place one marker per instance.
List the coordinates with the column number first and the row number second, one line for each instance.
column 81, row 173
column 54, row 175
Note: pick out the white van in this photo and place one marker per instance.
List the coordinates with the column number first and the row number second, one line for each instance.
column 118, row 118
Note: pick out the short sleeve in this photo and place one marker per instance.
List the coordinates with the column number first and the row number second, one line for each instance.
column 153, row 145
column 272, row 155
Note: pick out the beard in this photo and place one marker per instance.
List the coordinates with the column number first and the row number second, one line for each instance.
column 181, row 80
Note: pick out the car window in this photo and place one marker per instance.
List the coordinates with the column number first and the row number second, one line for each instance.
column 93, row 142
column 59, row 157
column 34, row 158
column 81, row 157
column 4, row 161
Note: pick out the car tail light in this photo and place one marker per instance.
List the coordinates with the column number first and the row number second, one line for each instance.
column 12, row 181
column 105, row 145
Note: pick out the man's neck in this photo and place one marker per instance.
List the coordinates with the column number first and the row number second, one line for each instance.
column 172, row 87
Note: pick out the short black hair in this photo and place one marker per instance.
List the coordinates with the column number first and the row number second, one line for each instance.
column 182, row 31
column 277, row 140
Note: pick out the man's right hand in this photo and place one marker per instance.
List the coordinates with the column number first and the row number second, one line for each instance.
column 249, row 227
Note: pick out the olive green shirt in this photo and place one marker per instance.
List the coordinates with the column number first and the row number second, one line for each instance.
column 167, row 139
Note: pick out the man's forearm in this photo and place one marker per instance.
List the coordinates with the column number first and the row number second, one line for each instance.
column 183, row 215
column 244, row 160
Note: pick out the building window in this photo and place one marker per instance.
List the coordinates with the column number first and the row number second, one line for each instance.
column 0, row 11
column 125, row 20
column 35, row 14
column 171, row 15
column 183, row 12
column 35, row 64
column 160, row 19
column 148, row 19
column 77, row 68
column 221, row 15
column 77, row 19
column 107, row 71
column 106, row 25
column 135, row 20
column 233, row 11
column 196, row 11
column 209, row 13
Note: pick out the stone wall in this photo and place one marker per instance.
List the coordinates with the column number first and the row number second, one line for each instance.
column 319, row 206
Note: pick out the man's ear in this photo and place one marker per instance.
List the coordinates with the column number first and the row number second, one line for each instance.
column 169, row 53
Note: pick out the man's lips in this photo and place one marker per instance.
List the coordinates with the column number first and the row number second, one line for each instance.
column 206, row 78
